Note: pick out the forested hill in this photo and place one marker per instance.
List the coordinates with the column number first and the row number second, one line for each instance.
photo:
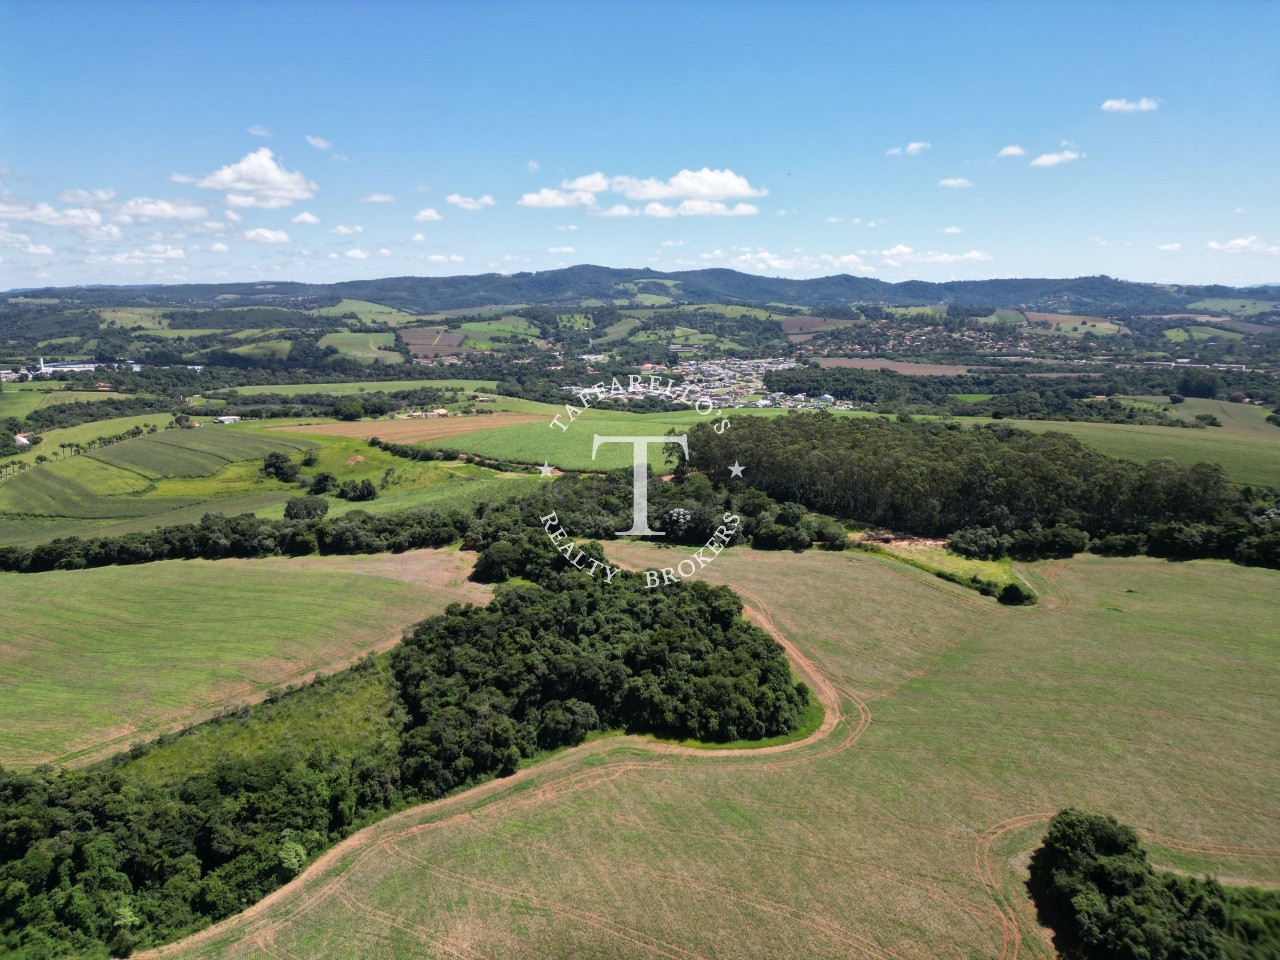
column 1089, row 295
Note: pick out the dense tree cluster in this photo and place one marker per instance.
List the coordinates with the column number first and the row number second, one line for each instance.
column 1092, row 883
column 96, row 861
column 1047, row 493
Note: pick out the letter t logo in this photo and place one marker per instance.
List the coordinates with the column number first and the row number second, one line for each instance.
column 640, row 477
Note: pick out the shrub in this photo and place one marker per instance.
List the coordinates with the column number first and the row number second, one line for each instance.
column 306, row 508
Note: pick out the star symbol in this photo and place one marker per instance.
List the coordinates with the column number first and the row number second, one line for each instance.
column 546, row 469
column 736, row 470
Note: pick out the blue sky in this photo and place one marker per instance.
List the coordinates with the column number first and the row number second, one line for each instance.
column 172, row 142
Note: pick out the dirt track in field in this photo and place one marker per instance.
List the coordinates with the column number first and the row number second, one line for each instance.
column 415, row 431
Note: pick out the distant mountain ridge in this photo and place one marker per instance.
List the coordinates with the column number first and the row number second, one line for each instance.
column 1099, row 294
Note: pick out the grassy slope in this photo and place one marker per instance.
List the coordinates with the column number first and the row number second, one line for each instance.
column 1138, row 687
column 93, row 660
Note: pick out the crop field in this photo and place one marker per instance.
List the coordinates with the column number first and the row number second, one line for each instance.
column 21, row 399
column 363, row 347
column 412, row 431
column 365, row 386
column 900, row 831
column 86, row 432
column 1195, row 332
column 118, row 480
column 93, row 660
column 434, row 342
column 619, row 331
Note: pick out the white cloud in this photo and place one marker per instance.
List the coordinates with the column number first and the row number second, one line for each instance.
column 320, row 143
column 87, row 197
column 145, row 208
column 306, row 217
column 258, row 180
column 219, row 247
column 444, row 258
column 418, row 237
column 899, row 254
column 673, row 243
column 263, row 235
column 258, row 130
column 549, row 197
column 952, row 230
column 469, row 203
column 617, row 210
column 704, row 184
column 701, row 208
column 955, row 183
column 38, row 248
column 384, row 252
column 43, row 213
column 344, row 229
column 1054, row 159
column 1246, row 245
column 561, row 250
column 427, row 215
column 1130, row 106
column 1012, row 150
column 1169, row 247
column 154, row 254
column 378, row 198
column 568, row 226
column 356, row 254
column 533, row 166
column 233, row 216
column 913, row 149
column 835, row 220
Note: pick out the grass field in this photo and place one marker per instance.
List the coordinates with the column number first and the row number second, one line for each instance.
column 1240, row 307
column 1137, row 687
column 93, row 660
column 367, row 312
column 363, row 347
column 1246, row 446
column 1075, row 325
column 1196, row 332
column 85, row 432
column 897, row 366
column 365, row 386
column 119, row 480
column 21, row 399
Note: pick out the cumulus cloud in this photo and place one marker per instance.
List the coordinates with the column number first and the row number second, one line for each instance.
column 219, row 247
column 913, row 149
column 1246, row 245
column 673, row 243
column 258, row 180
column 43, row 213
column 699, row 192
column 356, row 254
column 232, row 216
column 617, row 210
column 378, row 198
column 156, row 253
column 568, row 226
column 561, row 250
column 258, row 130
column 1169, row 247
column 549, row 197
column 320, row 143
column 306, row 217
column 701, row 208
column 87, row 198
column 384, row 252
column 444, row 258
column 1012, row 150
column 263, row 235
column 951, row 230
column 899, row 254
column 1130, row 106
column 344, row 229
column 469, row 203
column 427, row 215
column 1055, row 159
column 146, row 208
column 533, row 166
column 955, row 183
